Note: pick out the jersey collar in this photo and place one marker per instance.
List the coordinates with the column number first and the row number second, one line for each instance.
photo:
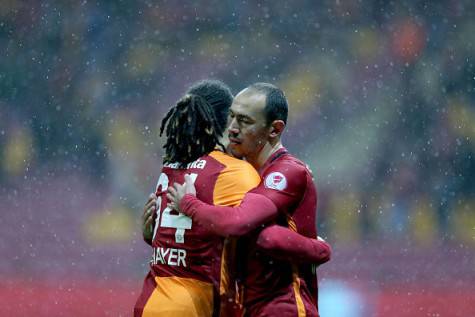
column 272, row 158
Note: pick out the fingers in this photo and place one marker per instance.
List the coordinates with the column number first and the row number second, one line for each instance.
column 177, row 187
column 171, row 202
column 150, row 206
column 176, row 192
column 172, row 197
column 189, row 185
column 148, row 217
column 171, row 190
column 148, row 221
column 151, row 197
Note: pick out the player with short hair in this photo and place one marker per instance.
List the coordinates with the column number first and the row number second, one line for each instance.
column 191, row 272
column 286, row 195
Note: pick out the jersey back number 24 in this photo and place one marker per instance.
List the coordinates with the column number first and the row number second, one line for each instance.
column 165, row 219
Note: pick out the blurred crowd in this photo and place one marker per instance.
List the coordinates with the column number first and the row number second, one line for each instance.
column 381, row 94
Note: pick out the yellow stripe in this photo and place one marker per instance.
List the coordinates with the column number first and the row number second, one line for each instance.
column 298, row 298
column 224, row 284
column 291, row 223
column 295, row 276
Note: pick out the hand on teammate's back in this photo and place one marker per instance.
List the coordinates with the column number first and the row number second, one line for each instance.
column 177, row 192
column 147, row 218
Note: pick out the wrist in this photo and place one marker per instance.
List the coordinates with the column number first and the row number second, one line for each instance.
column 186, row 204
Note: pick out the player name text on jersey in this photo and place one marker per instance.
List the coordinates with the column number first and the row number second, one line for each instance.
column 199, row 163
column 169, row 256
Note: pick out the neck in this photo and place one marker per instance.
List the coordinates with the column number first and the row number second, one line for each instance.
column 267, row 150
column 224, row 140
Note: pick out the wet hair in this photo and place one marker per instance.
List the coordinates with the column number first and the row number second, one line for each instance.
column 276, row 107
column 194, row 125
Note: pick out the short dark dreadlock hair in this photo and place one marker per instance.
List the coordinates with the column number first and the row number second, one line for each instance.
column 276, row 107
column 194, row 125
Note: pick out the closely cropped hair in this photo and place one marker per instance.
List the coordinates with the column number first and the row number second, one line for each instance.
column 194, row 125
column 276, row 107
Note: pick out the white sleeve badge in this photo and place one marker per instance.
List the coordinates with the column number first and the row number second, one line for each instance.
column 276, row 180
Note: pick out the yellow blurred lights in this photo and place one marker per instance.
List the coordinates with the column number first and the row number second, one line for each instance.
column 17, row 151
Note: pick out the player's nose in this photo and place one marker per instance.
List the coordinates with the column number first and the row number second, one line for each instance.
column 233, row 132
column 233, row 128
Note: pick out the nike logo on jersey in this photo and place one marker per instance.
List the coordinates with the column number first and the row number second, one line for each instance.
column 169, row 256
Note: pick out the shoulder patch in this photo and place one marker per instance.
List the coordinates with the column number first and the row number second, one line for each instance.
column 276, row 180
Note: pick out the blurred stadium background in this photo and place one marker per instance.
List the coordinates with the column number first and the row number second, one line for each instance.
column 382, row 97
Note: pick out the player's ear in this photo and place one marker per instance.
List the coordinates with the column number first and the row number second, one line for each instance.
column 277, row 127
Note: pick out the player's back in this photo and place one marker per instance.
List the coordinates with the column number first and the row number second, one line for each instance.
column 190, row 268
column 269, row 281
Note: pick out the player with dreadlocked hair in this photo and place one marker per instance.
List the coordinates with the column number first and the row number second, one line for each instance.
column 192, row 127
column 191, row 271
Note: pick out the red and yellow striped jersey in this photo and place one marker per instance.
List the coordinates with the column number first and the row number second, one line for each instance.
column 191, row 268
